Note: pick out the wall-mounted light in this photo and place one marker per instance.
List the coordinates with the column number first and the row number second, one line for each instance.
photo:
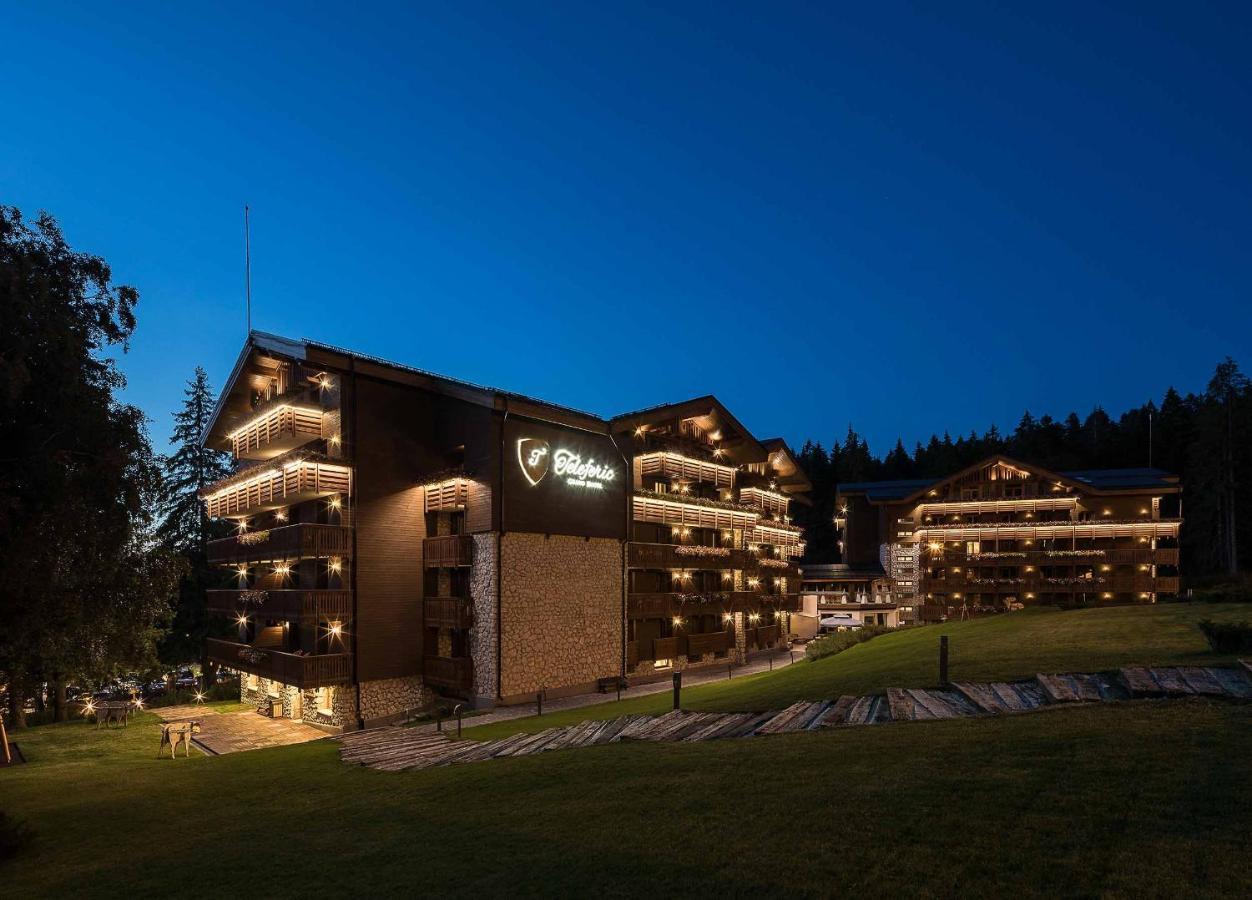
column 280, row 515
column 678, row 621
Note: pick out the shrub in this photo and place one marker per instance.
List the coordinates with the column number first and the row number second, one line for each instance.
column 842, row 640
column 1228, row 637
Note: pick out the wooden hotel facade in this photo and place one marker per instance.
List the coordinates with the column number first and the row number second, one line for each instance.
column 399, row 535
column 1004, row 534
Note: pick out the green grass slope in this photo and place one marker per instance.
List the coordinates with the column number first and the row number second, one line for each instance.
column 1129, row 800
column 1006, row 647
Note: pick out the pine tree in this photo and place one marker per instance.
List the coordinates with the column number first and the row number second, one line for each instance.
column 185, row 526
column 188, row 470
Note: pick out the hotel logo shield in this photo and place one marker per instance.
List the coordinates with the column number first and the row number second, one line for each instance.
column 533, row 456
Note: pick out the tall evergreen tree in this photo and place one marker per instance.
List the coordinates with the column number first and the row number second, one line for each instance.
column 189, row 469
column 185, row 527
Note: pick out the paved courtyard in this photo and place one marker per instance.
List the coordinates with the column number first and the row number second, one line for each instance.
column 233, row 732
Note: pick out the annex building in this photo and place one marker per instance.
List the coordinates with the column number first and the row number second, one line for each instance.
column 1004, row 534
column 399, row 535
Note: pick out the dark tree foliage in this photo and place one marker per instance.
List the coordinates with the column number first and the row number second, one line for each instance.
column 86, row 592
column 184, row 525
column 1205, row 438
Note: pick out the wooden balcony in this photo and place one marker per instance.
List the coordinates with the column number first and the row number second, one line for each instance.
column 317, row 670
column 679, row 466
column 276, row 430
column 304, row 541
column 768, row 501
column 674, row 509
column 448, row 551
column 768, row 635
column 712, row 642
column 454, row 674
column 667, row 648
column 1167, row 585
column 288, row 605
column 271, row 486
column 687, row 556
column 448, row 612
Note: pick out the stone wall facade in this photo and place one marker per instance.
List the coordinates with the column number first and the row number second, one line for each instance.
column 302, row 705
column 483, row 590
column 393, row 696
column 561, row 612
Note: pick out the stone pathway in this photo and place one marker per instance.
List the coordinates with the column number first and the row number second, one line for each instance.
column 183, row 713
column 764, row 661
column 395, row 749
column 235, row 732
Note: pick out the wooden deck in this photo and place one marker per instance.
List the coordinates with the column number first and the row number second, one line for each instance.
column 396, row 749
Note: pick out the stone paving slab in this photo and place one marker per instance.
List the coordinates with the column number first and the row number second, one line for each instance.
column 184, row 713
column 237, row 732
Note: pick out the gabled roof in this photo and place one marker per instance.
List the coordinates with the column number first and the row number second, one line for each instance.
column 1123, row 479
column 886, row 490
column 715, row 415
column 315, row 354
column 1089, row 481
column 785, row 463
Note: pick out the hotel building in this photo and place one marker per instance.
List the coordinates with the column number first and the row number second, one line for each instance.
column 1003, row 534
column 400, row 535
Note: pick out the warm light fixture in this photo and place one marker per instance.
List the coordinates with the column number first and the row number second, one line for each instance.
column 280, row 515
column 334, row 502
column 678, row 621
column 241, row 619
column 282, row 570
column 335, row 564
column 336, row 629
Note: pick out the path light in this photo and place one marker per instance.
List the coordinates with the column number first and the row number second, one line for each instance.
column 89, row 707
column 199, row 697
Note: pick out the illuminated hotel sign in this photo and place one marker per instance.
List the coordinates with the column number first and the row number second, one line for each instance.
column 536, row 457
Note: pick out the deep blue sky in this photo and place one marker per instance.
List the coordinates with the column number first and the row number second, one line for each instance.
column 911, row 219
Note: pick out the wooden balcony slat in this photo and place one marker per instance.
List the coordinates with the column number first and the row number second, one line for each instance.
column 316, row 670
column 304, row 540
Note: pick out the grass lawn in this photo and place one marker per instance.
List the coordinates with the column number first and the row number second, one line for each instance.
column 1006, row 647
column 1122, row 800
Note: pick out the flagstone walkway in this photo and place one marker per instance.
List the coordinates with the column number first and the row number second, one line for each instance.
column 234, row 732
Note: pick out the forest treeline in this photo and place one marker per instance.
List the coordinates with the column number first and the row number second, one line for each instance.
column 1206, row 438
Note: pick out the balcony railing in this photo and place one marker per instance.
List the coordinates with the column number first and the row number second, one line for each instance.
column 317, row 670
column 1165, row 556
column 642, row 605
column 768, row 635
column 448, row 612
column 286, row 604
column 448, row 551
column 272, row 486
column 1037, row 583
column 713, row 642
column 306, row 541
column 667, row 648
column 449, row 673
column 687, row 556
column 276, row 430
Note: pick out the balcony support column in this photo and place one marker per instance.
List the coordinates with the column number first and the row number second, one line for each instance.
column 739, row 653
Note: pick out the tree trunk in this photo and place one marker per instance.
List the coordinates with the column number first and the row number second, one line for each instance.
column 208, row 670
column 40, row 704
column 60, row 709
column 17, row 702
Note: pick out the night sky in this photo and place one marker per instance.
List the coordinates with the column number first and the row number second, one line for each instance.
column 909, row 219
